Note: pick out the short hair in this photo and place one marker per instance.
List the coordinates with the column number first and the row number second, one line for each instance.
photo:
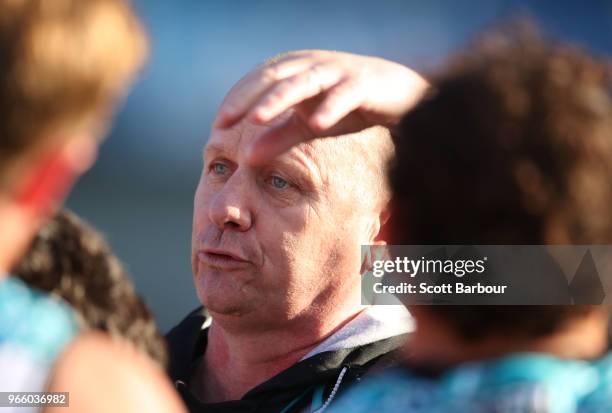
column 71, row 260
column 64, row 64
column 513, row 145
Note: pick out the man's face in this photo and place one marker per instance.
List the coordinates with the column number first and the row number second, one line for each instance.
column 281, row 239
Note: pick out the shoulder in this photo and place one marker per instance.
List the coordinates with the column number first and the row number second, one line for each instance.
column 600, row 399
column 40, row 324
column 102, row 374
column 34, row 329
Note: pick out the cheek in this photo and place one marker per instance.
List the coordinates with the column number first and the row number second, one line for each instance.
column 299, row 246
column 282, row 234
column 200, row 215
column 200, row 203
column 336, row 245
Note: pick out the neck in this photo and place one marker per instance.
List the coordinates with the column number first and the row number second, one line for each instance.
column 582, row 338
column 235, row 363
column 16, row 232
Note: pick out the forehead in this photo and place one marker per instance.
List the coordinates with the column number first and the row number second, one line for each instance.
column 234, row 142
column 343, row 167
column 234, row 139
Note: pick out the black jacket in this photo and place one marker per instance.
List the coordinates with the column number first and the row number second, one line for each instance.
column 307, row 384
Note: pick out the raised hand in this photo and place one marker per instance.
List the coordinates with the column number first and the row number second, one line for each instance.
column 326, row 94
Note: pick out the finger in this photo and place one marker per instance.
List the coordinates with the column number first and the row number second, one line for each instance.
column 343, row 99
column 249, row 89
column 294, row 90
column 277, row 140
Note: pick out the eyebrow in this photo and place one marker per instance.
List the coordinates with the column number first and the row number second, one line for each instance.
column 305, row 164
column 214, row 148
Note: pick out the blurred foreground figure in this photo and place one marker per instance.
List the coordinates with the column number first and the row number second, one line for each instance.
column 514, row 146
column 64, row 64
column 72, row 261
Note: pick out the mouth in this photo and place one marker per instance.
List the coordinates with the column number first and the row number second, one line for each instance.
column 221, row 259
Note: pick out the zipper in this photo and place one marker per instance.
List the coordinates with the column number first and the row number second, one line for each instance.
column 333, row 392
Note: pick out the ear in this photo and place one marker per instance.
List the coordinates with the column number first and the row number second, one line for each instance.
column 51, row 175
column 378, row 239
column 371, row 253
column 366, row 260
column 381, row 236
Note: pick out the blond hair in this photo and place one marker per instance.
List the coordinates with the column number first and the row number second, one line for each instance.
column 64, row 64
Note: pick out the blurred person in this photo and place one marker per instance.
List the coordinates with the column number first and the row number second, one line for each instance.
column 513, row 145
column 276, row 257
column 71, row 260
column 64, row 65
column 526, row 127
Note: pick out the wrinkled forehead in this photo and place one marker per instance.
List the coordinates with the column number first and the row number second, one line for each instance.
column 239, row 136
column 236, row 141
column 354, row 164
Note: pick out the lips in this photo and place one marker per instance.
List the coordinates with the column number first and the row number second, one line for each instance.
column 222, row 259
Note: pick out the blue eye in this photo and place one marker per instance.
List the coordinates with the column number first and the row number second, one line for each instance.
column 219, row 168
column 279, row 183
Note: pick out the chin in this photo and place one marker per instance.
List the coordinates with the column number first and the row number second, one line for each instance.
column 223, row 305
column 223, row 299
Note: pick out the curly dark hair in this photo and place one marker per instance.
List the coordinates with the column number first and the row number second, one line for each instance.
column 513, row 145
column 70, row 259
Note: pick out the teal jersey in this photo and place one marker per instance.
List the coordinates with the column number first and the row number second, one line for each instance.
column 522, row 383
column 34, row 329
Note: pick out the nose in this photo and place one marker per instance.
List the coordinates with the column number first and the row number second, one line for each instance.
column 230, row 206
